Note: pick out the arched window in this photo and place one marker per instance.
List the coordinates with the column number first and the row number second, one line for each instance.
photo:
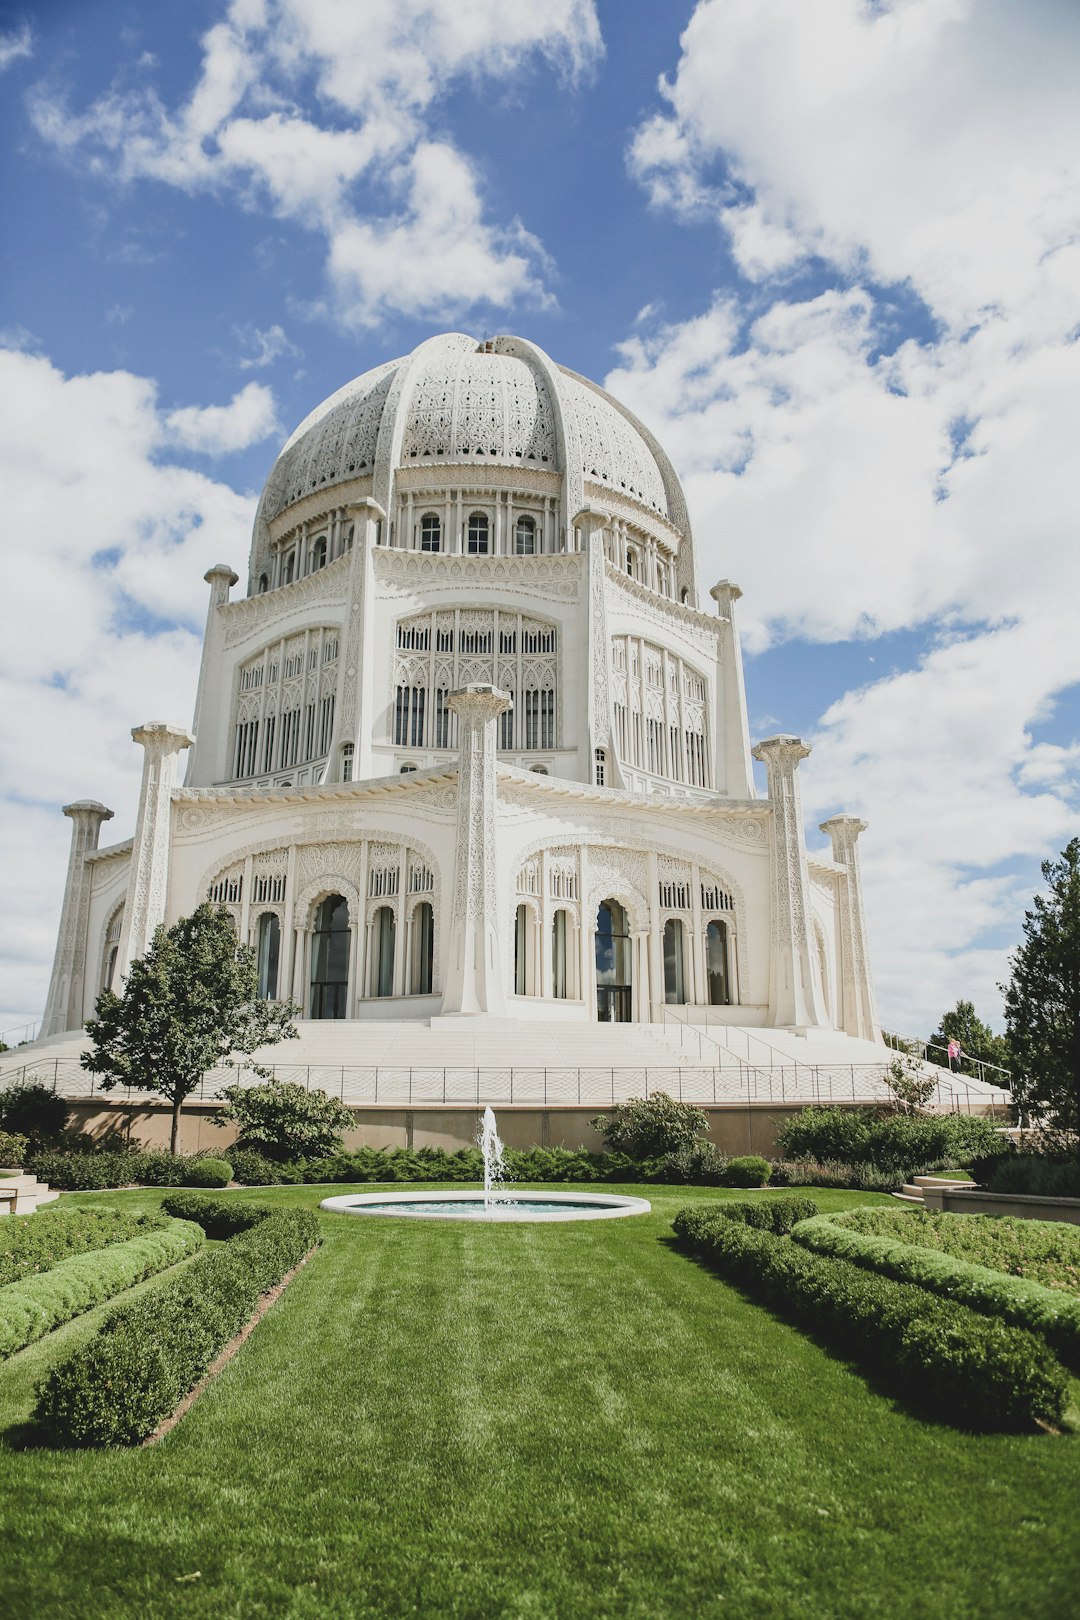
column 600, row 756
column 268, row 948
column 112, row 949
column 347, row 762
column 423, row 949
column 264, row 584
column 525, row 536
column 476, row 542
column 539, row 770
column 614, row 978
column 430, row 532
column 684, row 596
column 716, row 964
column 318, row 556
column 522, row 951
column 289, row 569
column 674, row 974
column 347, row 543
column 383, row 940
column 559, row 956
column 330, row 958
column 632, row 562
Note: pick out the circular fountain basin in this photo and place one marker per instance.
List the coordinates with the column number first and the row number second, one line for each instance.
column 469, row 1206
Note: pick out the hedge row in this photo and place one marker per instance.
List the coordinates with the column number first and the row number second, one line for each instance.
column 32, row 1243
column 149, row 1353
column 218, row 1217
column 36, row 1305
column 1046, row 1311
column 1042, row 1251
column 82, row 1171
column 776, row 1215
column 962, row 1367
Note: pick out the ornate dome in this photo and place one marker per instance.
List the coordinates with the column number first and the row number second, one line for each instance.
column 498, row 403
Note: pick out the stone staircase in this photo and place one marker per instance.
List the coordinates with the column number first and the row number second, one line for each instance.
column 22, row 1194
column 912, row 1191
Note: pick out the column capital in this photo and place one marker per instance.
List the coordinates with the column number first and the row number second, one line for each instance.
column 592, row 519
column 221, row 571
column 88, row 809
column 843, row 830
column 724, row 593
column 158, row 737
column 367, row 507
column 479, row 703
column 782, row 752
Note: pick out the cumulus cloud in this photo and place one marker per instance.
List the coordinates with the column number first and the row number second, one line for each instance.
column 220, row 430
column 928, row 151
column 104, row 605
column 14, row 45
column 355, row 160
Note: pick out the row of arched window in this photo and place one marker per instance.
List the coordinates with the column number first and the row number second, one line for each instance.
column 477, row 534
column 331, row 945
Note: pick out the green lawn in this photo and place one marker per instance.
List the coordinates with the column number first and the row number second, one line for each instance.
column 532, row 1423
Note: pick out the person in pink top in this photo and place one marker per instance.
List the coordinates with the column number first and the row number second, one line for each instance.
column 955, row 1054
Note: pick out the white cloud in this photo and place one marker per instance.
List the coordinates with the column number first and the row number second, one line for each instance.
column 219, row 430
column 930, row 145
column 16, row 44
column 263, row 347
column 371, row 75
column 114, row 538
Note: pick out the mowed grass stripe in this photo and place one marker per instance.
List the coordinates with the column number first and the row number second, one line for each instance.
column 527, row 1422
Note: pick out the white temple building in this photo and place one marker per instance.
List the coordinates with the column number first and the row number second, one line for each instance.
column 469, row 744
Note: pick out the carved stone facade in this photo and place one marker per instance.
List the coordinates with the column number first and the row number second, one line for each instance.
column 470, row 735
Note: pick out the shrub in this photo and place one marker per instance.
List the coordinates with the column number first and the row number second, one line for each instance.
column 901, row 1144
column 12, row 1150
column 207, row 1173
column 149, row 1353
column 1045, row 1311
column 34, row 1111
column 749, row 1171
column 960, row 1366
column 809, row 1173
column 649, row 1127
column 1035, row 1174
column 282, row 1120
column 766, row 1214
column 253, row 1169
column 86, row 1172
column 35, row 1243
column 42, row 1302
column 1046, row 1252
column 218, row 1217
column 700, row 1165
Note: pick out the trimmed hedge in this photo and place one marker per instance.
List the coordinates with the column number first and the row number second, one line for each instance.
column 36, row 1305
column 218, row 1217
column 901, row 1144
column 1046, row 1252
column 149, row 1353
column 32, row 1243
column 1045, row 1311
column 749, row 1171
column 208, row 1173
column 777, row 1215
column 964, row 1368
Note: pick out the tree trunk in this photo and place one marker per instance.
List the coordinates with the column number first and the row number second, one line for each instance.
column 178, row 1103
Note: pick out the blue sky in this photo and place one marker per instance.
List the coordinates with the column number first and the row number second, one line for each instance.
column 828, row 252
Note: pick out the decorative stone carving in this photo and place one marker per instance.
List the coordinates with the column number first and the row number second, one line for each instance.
column 64, row 1007
column 253, row 615
column 474, row 974
column 148, row 879
column 860, row 1009
column 795, row 986
column 554, row 577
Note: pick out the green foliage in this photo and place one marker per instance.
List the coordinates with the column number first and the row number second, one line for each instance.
column 904, row 1145
column 812, row 1173
column 34, row 1111
column 1042, row 1004
column 777, row 1215
column 749, row 1171
column 976, row 1040
column 1046, row 1252
column 911, row 1083
column 283, row 1121
column 39, row 1303
column 960, row 1366
column 149, row 1353
column 649, row 1127
column 12, row 1150
column 1045, row 1311
column 33, row 1243
column 700, row 1165
column 191, row 1002
column 208, row 1173
column 82, row 1171
column 253, row 1169
column 218, row 1217
column 1042, row 1176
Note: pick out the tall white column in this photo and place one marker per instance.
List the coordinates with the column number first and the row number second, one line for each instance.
column 795, row 997
column 860, row 1006
column 208, row 760
column 64, row 1007
column 474, row 976
column 148, row 877
column 356, row 718
column 734, row 773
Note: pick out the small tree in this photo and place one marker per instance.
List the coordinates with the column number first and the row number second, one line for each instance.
column 975, row 1039
column 187, row 1005
column 647, row 1127
column 911, row 1085
column 1042, row 1003
column 284, row 1121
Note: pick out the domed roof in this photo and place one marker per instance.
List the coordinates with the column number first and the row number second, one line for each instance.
column 454, row 400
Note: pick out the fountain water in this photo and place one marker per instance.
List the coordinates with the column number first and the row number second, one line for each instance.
column 490, row 1145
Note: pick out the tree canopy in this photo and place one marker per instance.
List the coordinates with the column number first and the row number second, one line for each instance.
column 283, row 1120
column 977, row 1040
column 1042, row 1003
column 189, row 1004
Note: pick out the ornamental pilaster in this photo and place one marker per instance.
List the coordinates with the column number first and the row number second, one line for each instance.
column 358, row 661
column 591, row 523
column 148, row 877
column 64, row 1007
column 795, row 995
column 475, row 967
column 860, row 1006
column 734, row 772
column 213, row 696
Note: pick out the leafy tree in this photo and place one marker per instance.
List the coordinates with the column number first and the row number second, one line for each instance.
column 911, row 1083
column 188, row 1004
column 976, row 1039
column 1042, row 1003
column 283, row 1121
column 647, row 1127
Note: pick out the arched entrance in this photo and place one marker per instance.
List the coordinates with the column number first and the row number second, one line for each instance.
column 330, row 958
column 614, row 978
